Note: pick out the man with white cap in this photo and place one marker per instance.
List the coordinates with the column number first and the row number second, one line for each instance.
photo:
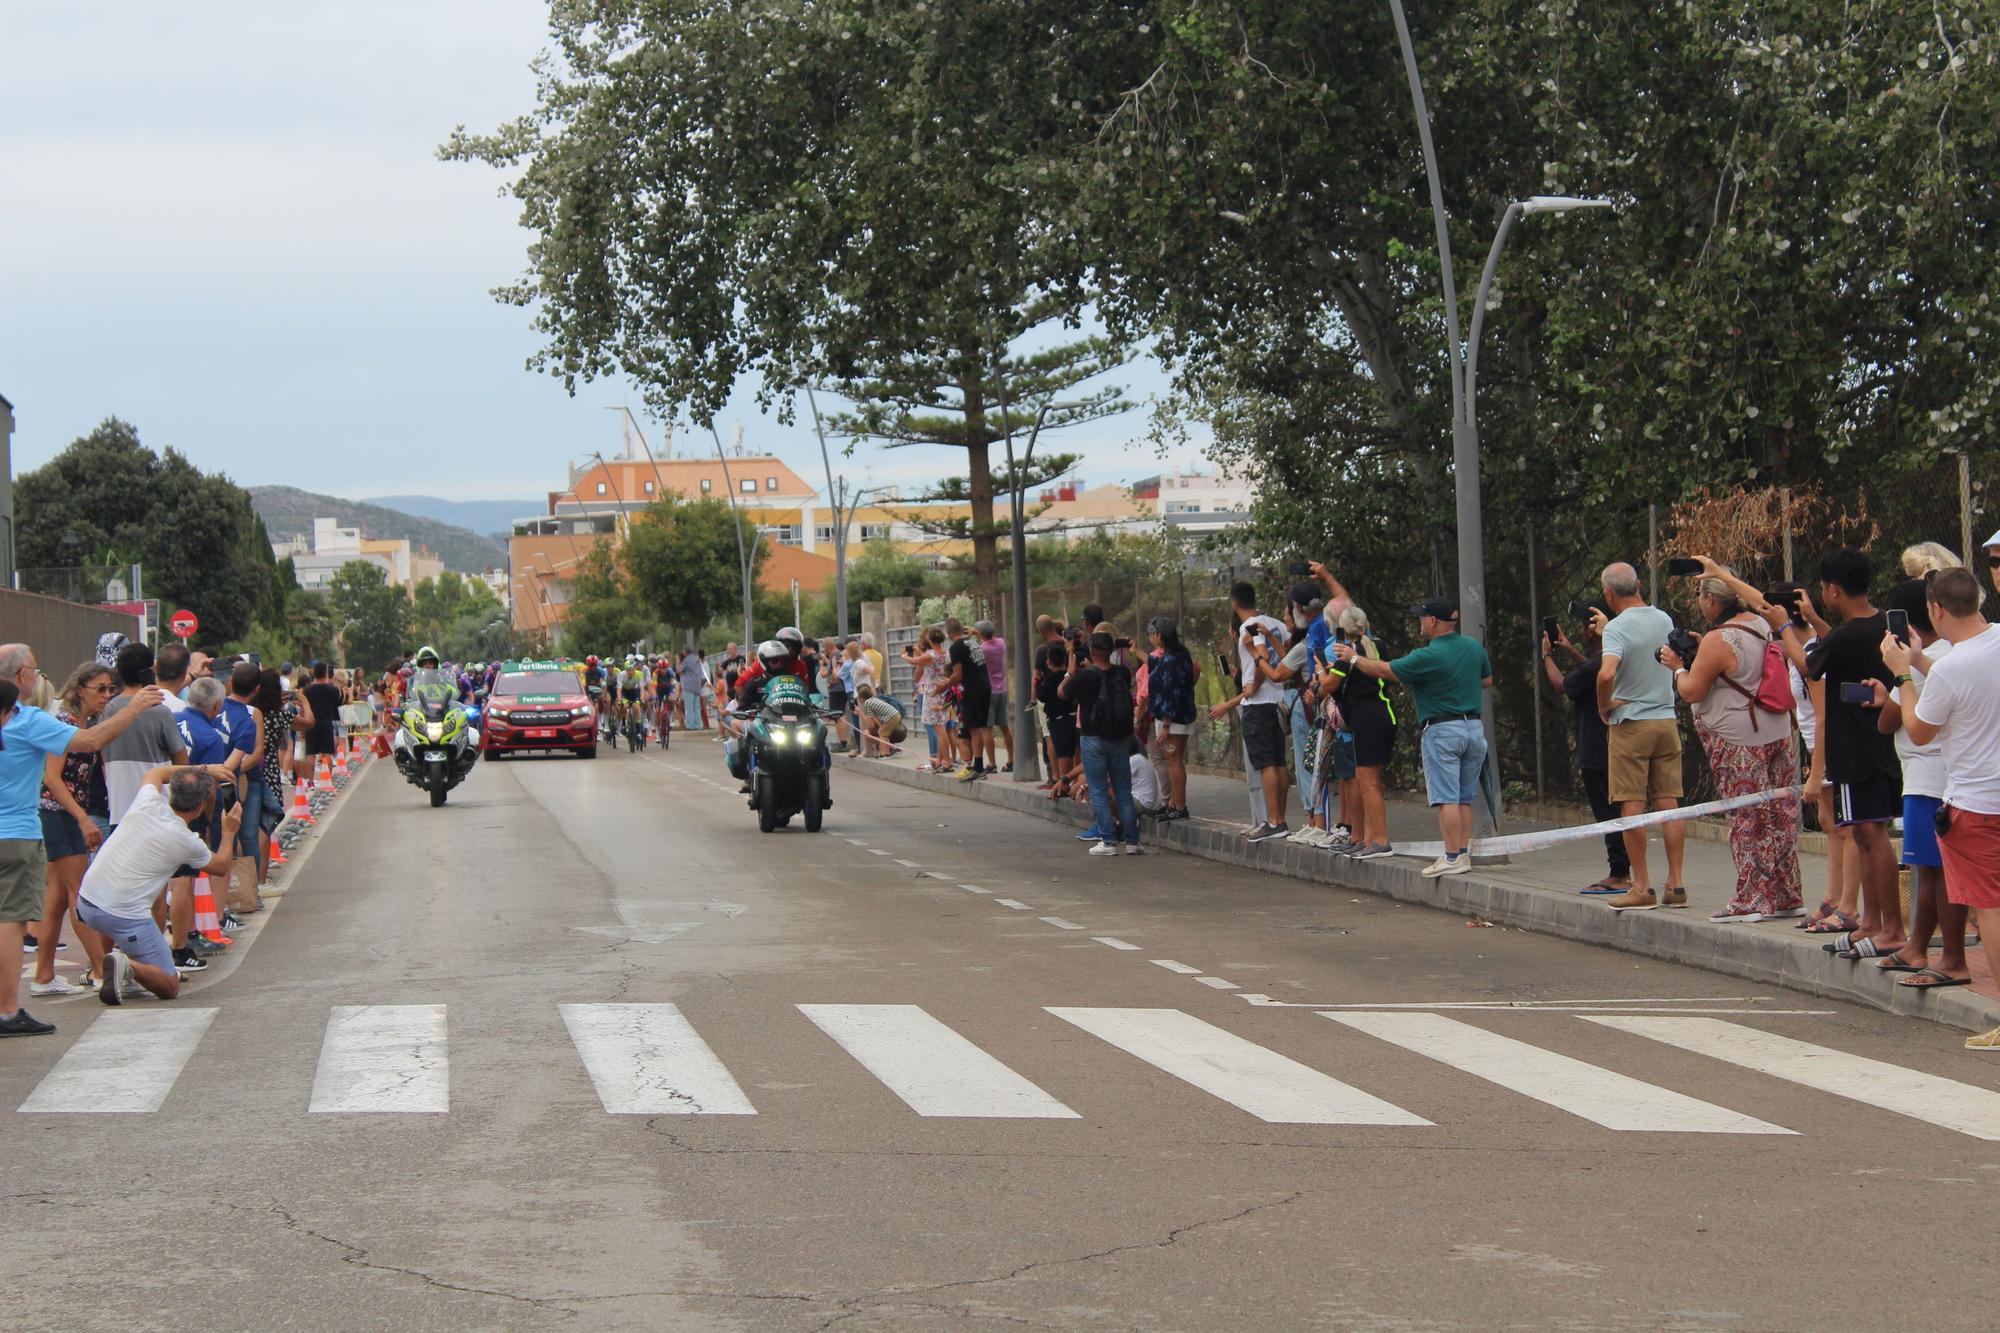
column 1993, row 558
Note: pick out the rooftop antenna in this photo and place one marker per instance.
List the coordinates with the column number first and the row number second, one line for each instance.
column 736, row 438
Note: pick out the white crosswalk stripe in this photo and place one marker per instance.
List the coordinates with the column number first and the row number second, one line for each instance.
column 125, row 1062
column 383, row 1057
column 1938, row 1101
column 1269, row 1086
column 933, row 1069
column 1603, row 1096
column 647, row 1059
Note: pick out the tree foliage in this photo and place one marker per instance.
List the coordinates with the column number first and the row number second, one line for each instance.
column 370, row 615
column 194, row 533
column 606, row 615
column 681, row 558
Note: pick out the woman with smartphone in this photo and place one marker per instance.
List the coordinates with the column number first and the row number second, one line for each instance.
column 1750, row 749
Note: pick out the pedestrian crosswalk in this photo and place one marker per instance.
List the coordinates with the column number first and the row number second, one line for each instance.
column 650, row 1059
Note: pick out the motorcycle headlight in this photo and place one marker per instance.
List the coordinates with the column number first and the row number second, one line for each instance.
column 434, row 730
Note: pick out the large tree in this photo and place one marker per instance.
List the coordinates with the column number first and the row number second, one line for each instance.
column 681, row 557
column 606, row 614
column 111, row 498
column 854, row 197
column 370, row 614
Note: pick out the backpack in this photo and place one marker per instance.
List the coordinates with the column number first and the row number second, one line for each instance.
column 1774, row 686
column 1111, row 711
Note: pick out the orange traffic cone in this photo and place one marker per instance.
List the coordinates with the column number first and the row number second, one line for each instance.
column 340, row 757
column 301, row 807
column 206, row 920
column 278, row 857
column 323, row 778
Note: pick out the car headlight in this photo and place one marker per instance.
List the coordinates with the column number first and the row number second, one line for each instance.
column 434, row 730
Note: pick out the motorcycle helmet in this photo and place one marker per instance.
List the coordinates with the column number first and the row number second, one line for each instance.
column 427, row 656
column 791, row 636
column 775, row 656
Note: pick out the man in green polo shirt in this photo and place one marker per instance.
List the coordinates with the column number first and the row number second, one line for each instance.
column 1446, row 678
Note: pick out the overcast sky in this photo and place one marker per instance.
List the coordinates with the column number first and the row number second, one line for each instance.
column 226, row 224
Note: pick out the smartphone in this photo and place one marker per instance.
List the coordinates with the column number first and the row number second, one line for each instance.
column 1300, row 569
column 1550, row 628
column 1899, row 625
column 1578, row 611
column 1857, row 692
column 1681, row 566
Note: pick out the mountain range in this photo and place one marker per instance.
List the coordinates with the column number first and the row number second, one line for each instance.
column 289, row 512
column 494, row 517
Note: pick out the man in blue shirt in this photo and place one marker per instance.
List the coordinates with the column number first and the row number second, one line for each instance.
column 28, row 736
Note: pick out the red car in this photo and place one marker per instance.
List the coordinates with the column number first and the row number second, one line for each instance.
column 538, row 708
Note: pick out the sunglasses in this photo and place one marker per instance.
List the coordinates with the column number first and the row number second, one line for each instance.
column 1993, row 562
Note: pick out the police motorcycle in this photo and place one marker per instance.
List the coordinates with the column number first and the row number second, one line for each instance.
column 780, row 750
column 437, row 741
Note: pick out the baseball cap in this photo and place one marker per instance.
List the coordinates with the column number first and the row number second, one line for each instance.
column 1305, row 594
column 1439, row 608
column 1994, row 540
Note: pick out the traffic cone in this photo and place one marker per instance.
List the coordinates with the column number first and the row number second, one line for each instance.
column 301, row 806
column 278, row 857
column 323, row 778
column 340, row 757
column 206, row 919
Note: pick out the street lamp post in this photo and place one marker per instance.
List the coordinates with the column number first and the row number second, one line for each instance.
column 1464, row 367
column 742, row 554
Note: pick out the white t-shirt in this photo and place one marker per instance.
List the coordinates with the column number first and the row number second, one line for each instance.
column 1267, row 691
column 135, row 862
column 1923, row 765
column 1802, row 708
column 1145, row 789
column 1962, row 697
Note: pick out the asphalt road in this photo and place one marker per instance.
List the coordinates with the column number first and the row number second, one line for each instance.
column 883, row 1099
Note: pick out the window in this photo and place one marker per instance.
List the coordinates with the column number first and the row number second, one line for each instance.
column 787, row 533
column 748, row 486
column 770, row 483
column 600, row 488
column 706, row 485
column 649, row 488
column 822, row 532
column 870, row 531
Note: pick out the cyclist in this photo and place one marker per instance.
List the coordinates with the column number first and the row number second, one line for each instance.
column 666, row 686
column 631, row 691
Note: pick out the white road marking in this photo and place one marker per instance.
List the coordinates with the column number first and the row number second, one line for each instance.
column 876, row 851
column 1270, row 1086
column 932, row 874
column 647, row 1059
column 1217, row 982
column 1602, row 1096
column 1061, row 924
column 972, row 888
column 856, row 842
column 933, row 1069
column 383, row 1057
column 1110, row 942
column 1927, row 1097
column 1173, row 966
column 125, row 1062
column 911, row 864
column 1009, row 902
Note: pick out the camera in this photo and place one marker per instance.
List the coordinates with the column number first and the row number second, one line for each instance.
column 1300, row 569
column 1684, row 642
column 1578, row 611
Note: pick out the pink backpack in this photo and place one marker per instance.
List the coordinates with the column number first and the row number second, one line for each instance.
column 1774, row 686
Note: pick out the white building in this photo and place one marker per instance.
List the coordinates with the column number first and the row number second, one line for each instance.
column 1197, row 503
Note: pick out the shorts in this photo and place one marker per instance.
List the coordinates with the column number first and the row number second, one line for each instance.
column 1454, row 755
column 630, row 696
column 135, row 937
column 1875, row 800
column 62, row 836
column 1164, row 728
column 975, row 711
column 1063, row 735
column 1263, row 736
column 1374, row 738
column 24, row 869
column 836, row 701
column 1920, row 843
column 1645, row 760
column 997, row 712
column 1972, row 859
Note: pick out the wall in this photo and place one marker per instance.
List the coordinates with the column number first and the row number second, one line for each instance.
column 62, row 634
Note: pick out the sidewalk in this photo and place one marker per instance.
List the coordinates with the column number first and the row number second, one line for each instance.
column 1535, row 892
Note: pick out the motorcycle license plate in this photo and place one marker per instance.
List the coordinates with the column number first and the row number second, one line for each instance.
column 541, row 733
column 438, row 756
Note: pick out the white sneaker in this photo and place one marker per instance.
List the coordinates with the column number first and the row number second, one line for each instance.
column 1131, row 849
column 1735, row 918
column 1337, row 837
column 1447, row 865
column 1104, row 849
column 1309, row 836
column 55, row 987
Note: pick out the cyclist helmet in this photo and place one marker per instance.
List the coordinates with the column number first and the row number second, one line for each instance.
column 427, row 656
column 590, row 660
column 775, row 656
column 790, row 635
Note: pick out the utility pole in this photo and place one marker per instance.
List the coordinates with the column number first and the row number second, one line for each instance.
column 742, row 553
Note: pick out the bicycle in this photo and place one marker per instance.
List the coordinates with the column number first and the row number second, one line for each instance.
column 635, row 727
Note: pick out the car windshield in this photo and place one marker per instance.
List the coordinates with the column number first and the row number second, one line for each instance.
column 535, row 682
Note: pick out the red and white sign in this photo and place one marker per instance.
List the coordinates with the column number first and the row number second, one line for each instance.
column 184, row 624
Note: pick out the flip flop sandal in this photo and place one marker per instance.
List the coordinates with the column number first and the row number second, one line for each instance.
column 1837, row 924
column 1602, row 887
column 1819, row 914
column 1895, row 964
column 1863, row 948
column 1938, row 981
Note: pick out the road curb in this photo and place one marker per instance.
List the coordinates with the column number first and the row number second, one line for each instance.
column 1755, row 953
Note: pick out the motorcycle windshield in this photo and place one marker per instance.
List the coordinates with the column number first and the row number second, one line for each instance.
column 433, row 691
